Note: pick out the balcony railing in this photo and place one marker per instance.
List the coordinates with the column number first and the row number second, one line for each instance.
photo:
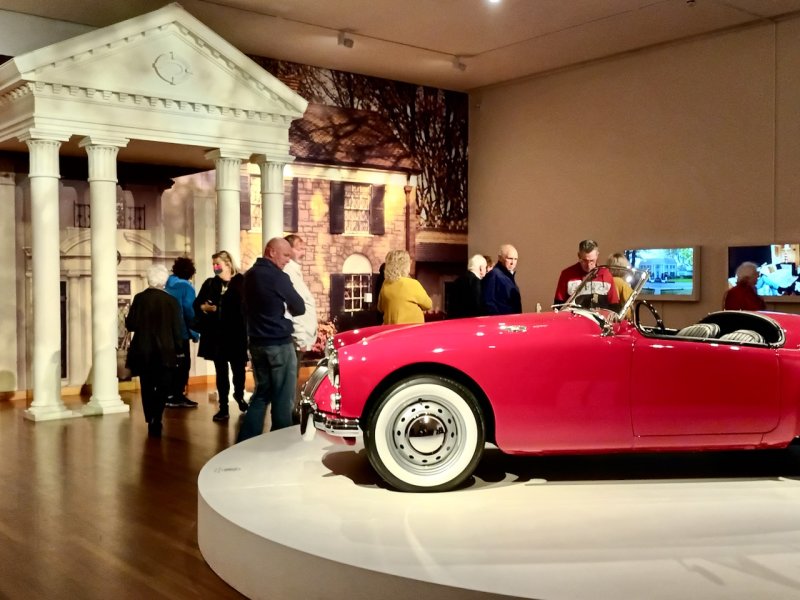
column 128, row 217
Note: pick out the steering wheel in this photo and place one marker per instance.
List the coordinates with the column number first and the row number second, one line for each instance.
column 653, row 311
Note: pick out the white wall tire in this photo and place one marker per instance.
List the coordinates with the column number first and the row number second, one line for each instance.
column 426, row 434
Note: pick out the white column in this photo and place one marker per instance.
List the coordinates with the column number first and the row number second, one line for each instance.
column 46, row 273
column 229, row 186
column 103, row 205
column 204, row 243
column 271, row 197
column 9, row 378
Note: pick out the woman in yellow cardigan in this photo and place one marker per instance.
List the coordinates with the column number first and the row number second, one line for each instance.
column 402, row 299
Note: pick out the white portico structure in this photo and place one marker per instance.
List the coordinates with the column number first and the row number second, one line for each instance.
column 161, row 83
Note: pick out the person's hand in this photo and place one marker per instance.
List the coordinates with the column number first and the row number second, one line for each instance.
column 208, row 306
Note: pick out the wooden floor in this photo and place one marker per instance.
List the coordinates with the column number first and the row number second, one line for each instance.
column 92, row 508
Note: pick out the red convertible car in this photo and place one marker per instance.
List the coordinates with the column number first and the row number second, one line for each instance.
column 580, row 379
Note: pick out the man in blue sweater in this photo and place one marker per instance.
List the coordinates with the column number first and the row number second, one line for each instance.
column 268, row 296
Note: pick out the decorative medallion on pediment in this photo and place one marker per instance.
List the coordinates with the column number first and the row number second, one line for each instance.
column 172, row 69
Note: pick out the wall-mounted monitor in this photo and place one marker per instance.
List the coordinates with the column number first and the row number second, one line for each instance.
column 674, row 273
column 778, row 269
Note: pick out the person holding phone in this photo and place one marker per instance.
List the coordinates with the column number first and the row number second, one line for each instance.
column 223, row 337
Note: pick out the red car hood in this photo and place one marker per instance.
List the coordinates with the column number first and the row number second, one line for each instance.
column 346, row 338
column 455, row 332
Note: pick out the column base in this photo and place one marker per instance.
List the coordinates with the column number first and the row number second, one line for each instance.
column 49, row 413
column 109, row 406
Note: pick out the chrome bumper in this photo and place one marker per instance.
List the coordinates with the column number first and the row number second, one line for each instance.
column 311, row 415
column 336, row 426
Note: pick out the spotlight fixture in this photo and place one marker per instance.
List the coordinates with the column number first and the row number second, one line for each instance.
column 458, row 64
column 345, row 40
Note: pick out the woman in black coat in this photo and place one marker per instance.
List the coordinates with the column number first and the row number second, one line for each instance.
column 155, row 321
column 221, row 324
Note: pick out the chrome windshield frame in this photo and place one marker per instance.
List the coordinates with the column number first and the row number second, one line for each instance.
column 630, row 274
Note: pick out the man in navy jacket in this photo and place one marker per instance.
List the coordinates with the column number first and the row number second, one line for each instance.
column 268, row 296
column 500, row 293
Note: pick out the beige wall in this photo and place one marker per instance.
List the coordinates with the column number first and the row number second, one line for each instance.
column 689, row 144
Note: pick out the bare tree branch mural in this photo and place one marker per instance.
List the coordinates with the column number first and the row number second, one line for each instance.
column 431, row 123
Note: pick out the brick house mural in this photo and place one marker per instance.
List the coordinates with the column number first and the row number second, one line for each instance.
column 350, row 196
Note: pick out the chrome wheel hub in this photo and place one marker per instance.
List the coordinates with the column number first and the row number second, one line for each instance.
column 425, row 433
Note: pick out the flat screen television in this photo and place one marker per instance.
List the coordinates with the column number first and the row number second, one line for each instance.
column 778, row 269
column 674, row 273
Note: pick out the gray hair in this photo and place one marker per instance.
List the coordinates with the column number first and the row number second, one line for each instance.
column 747, row 269
column 157, row 276
column 587, row 246
column 476, row 262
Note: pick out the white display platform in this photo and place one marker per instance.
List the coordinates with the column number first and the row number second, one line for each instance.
column 281, row 518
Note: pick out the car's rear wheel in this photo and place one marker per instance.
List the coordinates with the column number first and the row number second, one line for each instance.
column 426, row 434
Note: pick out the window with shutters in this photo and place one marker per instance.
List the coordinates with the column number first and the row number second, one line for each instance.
column 357, row 198
column 357, row 209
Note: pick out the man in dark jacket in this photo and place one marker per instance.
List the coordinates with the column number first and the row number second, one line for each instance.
column 466, row 290
column 268, row 295
column 500, row 293
column 155, row 321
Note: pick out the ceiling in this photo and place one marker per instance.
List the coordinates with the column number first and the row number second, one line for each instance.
column 418, row 40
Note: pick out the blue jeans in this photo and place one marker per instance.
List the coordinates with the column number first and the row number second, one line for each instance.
column 275, row 373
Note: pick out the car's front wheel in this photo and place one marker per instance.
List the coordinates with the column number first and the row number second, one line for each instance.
column 426, row 434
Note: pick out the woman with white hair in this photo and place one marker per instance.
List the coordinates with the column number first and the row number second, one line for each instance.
column 402, row 299
column 743, row 295
column 464, row 297
column 155, row 321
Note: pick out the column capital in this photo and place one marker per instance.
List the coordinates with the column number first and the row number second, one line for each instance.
column 101, row 141
column 271, row 178
column 43, row 157
column 102, row 162
column 228, row 169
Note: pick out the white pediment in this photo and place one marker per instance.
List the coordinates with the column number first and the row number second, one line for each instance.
column 162, row 76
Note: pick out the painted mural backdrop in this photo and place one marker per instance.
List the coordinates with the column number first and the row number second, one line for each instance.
column 431, row 123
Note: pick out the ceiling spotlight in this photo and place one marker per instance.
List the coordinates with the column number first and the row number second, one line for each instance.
column 458, row 64
column 345, row 40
